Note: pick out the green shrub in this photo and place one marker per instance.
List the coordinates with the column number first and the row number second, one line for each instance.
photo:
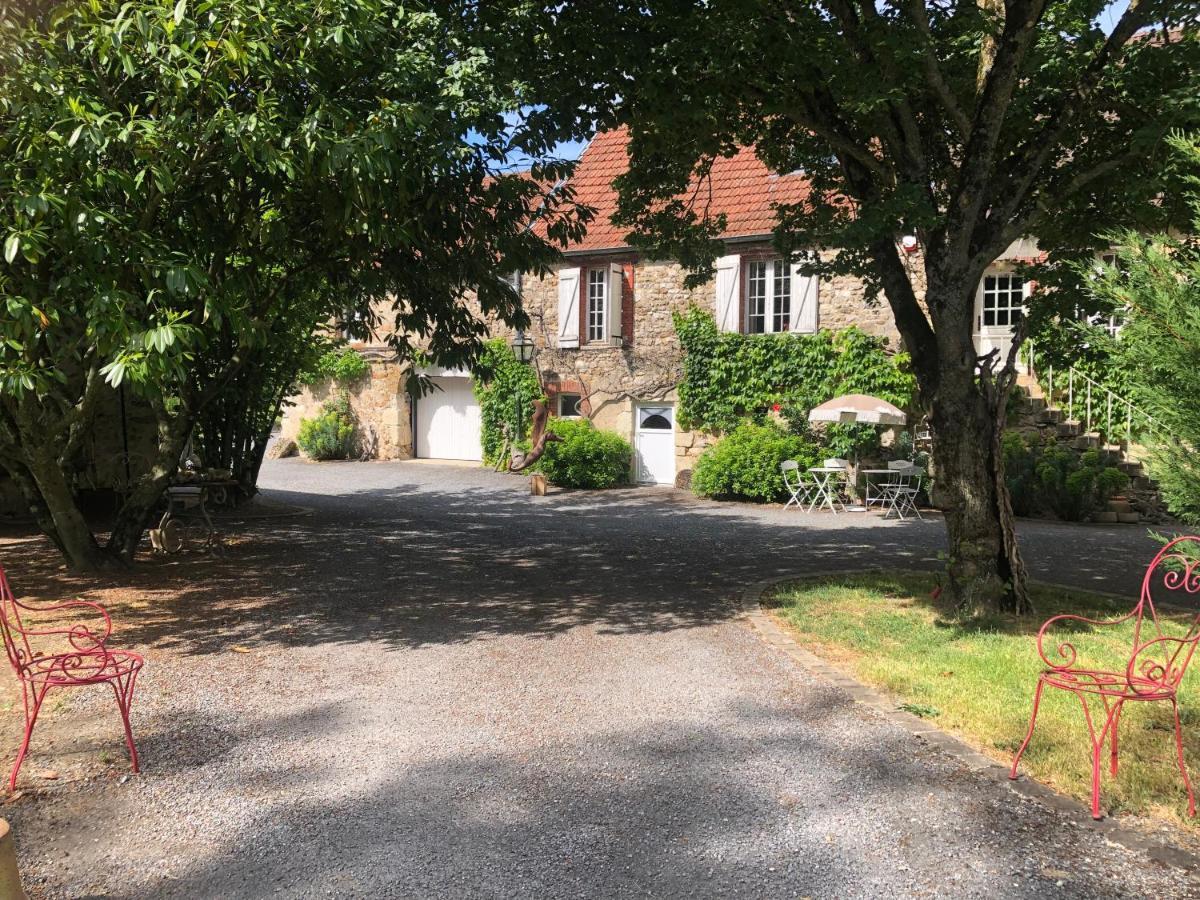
column 1020, row 473
column 585, row 457
column 745, row 463
column 331, row 434
column 1046, row 477
column 343, row 365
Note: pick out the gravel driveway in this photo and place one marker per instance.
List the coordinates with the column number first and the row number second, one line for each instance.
column 453, row 689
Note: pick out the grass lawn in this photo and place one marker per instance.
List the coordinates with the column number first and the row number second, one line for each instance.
column 977, row 679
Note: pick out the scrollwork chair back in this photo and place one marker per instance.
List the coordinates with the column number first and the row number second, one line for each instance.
column 87, row 660
column 1157, row 662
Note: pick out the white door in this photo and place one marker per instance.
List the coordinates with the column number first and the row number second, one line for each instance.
column 655, row 442
column 448, row 421
column 999, row 305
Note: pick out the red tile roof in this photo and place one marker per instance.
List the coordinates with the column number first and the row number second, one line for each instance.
column 741, row 187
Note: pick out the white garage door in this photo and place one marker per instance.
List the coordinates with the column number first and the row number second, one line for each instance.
column 448, row 421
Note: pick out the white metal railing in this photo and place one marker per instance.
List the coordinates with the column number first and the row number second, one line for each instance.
column 1096, row 402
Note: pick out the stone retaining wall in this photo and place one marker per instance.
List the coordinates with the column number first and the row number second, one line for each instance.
column 379, row 402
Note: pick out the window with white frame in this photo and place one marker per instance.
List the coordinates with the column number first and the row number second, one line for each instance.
column 768, row 296
column 1003, row 300
column 597, row 303
column 1110, row 322
column 354, row 326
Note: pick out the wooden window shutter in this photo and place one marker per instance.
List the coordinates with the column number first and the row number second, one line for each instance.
column 568, row 307
column 729, row 281
column 616, row 295
column 805, row 302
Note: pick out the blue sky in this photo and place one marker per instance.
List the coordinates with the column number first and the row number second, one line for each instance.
column 1108, row 18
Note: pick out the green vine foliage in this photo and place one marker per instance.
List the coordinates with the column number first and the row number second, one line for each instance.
column 506, row 389
column 342, row 365
column 730, row 378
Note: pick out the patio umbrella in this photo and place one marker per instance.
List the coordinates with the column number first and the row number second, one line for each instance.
column 858, row 408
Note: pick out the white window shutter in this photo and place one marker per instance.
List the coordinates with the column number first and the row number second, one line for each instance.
column 805, row 302
column 568, row 307
column 729, row 280
column 616, row 297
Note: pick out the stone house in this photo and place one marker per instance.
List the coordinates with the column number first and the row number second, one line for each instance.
column 603, row 332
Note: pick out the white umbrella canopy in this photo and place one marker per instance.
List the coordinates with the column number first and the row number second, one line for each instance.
column 858, row 408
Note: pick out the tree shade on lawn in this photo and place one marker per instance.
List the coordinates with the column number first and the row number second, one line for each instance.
column 190, row 188
column 966, row 125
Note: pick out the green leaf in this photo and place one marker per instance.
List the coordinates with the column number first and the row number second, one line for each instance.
column 114, row 373
column 11, row 246
column 180, row 8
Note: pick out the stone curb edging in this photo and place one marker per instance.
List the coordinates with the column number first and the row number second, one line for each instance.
column 777, row 636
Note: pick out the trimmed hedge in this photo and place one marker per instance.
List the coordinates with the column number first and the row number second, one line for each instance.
column 744, row 465
column 586, row 457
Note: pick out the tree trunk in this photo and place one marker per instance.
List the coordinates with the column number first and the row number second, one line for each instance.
column 984, row 569
column 134, row 515
column 20, row 476
column 67, row 526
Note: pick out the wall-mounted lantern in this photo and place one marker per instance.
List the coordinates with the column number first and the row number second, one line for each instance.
column 523, row 347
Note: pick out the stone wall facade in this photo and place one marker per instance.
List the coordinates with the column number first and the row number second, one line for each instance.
column 647, row 365
column 614, row 376
column 378, row 400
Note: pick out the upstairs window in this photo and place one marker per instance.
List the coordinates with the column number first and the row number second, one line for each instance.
column 1003, row 300
column 597, row 304
column 355, row 327
column 768, row 296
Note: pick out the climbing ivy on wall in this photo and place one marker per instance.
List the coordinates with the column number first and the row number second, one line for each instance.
column 729, row 378
column 340, row 364
column 506, row 389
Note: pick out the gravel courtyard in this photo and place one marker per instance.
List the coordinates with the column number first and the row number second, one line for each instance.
column 435, row 685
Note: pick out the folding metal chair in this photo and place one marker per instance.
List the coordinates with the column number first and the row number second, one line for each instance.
column 875, row 492
column 798, row 486
column 900, row 494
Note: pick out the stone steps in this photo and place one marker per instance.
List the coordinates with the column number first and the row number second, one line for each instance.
column 1119, row 510
column 1142, row 502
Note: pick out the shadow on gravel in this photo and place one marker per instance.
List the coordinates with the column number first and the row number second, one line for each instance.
column 408, row 567
column 414, row 564
column 671, row 810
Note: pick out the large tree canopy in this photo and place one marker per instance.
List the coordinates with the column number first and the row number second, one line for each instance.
column 967, row 124
column 190, row 188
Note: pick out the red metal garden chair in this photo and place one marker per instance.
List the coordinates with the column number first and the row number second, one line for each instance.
column 1156, row 665
column 88, row 661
